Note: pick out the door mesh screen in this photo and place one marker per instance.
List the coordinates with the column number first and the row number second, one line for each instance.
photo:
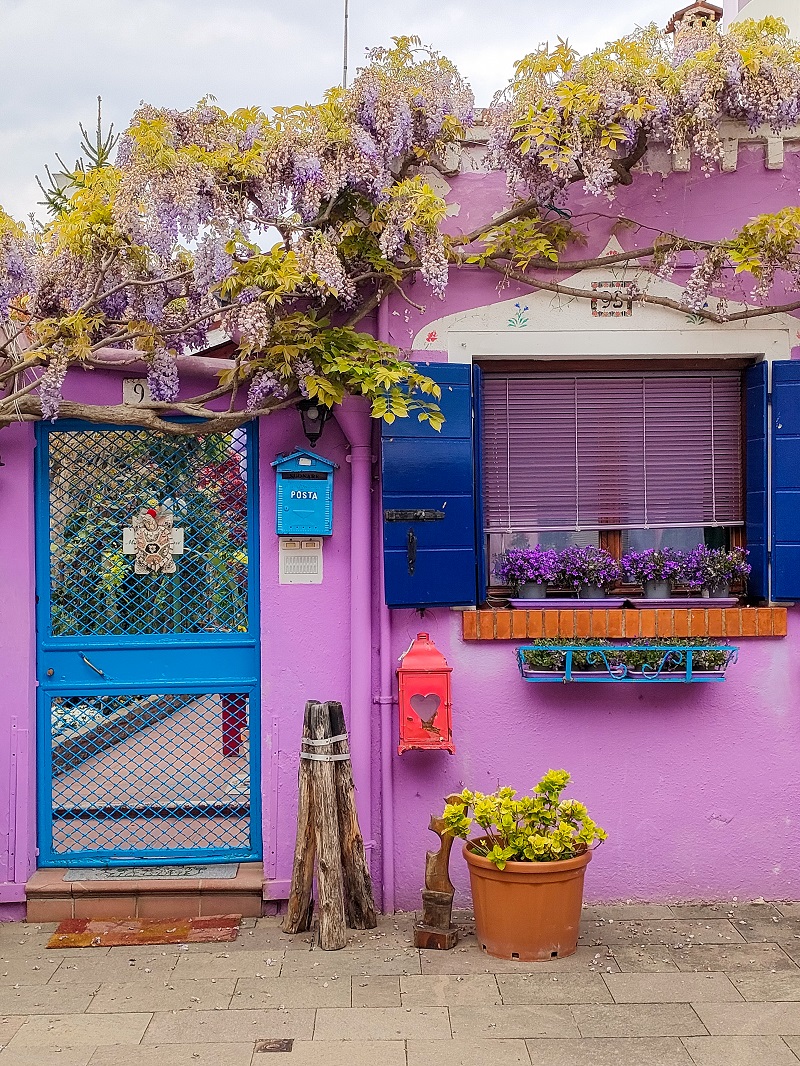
column 150, row 773
column 99, row 481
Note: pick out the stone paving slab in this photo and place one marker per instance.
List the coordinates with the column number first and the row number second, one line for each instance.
column 642, row 1019
column 338, row 1053
column 449, row 991
column 655, row 1051
column 364, row 962
column 222, row 965
column 80, row 1030
column 490, row 1023
column 672, row 933
column 374, row 991
column 750, row 1019
column 474, row 961
column 175, row 1055
column 781, row 986
column 259, row 993
column 553, row 988
column 28, row 971
column 734, row 911
column 739, row 1051
column 46, row 999
column 657, row 959
column 383, row 1023
column 64, row 1056
column 467, row 1053
column 672, row 988
column 162, row 995
column 732, row 958
column 772, row 930
column 228, row 1026
column 627, row 912
column 118, row 967
column 8, row 1026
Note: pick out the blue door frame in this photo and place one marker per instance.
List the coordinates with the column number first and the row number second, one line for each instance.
column 147, row 678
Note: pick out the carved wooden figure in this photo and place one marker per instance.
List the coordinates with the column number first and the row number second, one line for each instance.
column 436, row 930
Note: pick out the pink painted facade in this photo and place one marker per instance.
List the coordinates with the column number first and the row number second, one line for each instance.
column 698, row 786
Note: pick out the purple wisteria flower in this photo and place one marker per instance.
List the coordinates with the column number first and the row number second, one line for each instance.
column 654, row 564
column 587, row 567
column 518, row 566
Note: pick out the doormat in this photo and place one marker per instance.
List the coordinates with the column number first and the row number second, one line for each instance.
column 93, row 933
column 225, row 871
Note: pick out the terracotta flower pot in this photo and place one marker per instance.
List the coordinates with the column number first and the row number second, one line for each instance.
column 529, row 911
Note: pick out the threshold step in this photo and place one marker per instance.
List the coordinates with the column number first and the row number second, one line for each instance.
column 55, row 894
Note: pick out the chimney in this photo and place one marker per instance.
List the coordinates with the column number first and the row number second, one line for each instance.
column 697, row 16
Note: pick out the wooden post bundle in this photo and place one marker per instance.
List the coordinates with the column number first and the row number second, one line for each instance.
column 358, row 901
column 301, row 900
column 328, row 831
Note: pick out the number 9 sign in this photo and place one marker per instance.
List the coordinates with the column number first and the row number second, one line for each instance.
column 135, row 391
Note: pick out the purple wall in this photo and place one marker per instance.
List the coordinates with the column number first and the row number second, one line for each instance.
column 697, row 785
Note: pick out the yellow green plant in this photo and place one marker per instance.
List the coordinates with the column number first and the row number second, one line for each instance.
column 541, row 827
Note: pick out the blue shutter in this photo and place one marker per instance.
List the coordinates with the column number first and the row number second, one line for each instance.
column 786, row 481
column 477, row 429
column 756, row 479
column 431, row 563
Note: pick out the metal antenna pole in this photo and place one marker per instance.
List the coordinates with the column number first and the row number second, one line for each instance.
column 346, row 15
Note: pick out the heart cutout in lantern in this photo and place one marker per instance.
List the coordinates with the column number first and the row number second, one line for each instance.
column 425, row 706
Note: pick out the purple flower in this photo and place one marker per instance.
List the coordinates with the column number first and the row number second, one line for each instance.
column 585, row 567
column 654, row 564
column 162, row 377
column 520, row 565
column 711, row 568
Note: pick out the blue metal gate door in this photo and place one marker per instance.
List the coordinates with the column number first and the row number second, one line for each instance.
column 148, row 647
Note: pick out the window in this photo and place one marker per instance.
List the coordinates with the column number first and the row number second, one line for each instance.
column 653, row 457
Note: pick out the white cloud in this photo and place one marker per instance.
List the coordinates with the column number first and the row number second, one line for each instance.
column 57, row 57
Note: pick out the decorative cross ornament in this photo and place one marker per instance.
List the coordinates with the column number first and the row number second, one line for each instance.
column 154, row 541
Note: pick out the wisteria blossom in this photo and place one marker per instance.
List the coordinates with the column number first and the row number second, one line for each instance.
column 286, row 228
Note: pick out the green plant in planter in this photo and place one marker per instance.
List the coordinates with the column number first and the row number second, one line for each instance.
column 635, row 657
column 537, row 828
column 539, row 657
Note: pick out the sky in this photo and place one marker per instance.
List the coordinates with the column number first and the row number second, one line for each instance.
column 58, row 57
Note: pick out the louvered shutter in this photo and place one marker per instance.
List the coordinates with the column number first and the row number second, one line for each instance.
column 786, row 481
column 431, row 559
column 756, row 477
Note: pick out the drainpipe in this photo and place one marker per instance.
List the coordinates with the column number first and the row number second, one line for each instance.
column 385, row 698
column 353, row 416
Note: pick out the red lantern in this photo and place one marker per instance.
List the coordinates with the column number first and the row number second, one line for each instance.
column 424, row 697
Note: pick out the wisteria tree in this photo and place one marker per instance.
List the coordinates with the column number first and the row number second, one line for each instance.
column 289, row 228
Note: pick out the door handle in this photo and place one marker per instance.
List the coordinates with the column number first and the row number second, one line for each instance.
column 411, row 551
column 91, row 665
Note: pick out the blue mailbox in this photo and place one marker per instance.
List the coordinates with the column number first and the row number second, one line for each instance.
column 304, row 495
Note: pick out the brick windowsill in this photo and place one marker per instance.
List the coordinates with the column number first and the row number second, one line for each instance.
column 576, row 624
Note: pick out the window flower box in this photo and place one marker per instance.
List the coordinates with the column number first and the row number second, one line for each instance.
column 683, row 662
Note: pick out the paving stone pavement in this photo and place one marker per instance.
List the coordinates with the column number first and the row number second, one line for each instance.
column 651, row 985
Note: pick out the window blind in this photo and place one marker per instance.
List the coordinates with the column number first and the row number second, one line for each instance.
column 611, row 451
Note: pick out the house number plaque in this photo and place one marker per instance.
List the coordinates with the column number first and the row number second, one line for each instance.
column 613, row 299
